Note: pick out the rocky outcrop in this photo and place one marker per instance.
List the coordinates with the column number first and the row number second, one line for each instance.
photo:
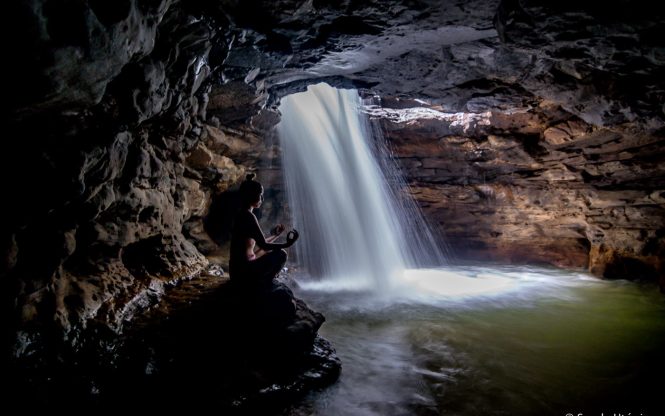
column 601, row 63
column 535, row 186
column 207, row 343
column 71, row 52
column 108, row 165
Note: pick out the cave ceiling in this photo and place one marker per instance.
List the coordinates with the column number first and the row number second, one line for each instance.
column 604, row 64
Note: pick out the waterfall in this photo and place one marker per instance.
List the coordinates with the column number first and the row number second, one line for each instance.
column 357, row 229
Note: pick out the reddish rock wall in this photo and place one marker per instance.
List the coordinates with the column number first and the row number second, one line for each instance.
column 539, row 186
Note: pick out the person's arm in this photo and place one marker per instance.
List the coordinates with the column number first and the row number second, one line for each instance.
column 266, row 245
column 271, row 238
column 276, row 231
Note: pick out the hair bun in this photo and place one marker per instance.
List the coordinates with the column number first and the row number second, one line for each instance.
column 250, row 176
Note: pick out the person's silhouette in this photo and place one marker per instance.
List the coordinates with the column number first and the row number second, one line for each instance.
column 248, row 265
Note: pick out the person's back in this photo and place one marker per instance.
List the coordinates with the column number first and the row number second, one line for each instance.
column 240, row 234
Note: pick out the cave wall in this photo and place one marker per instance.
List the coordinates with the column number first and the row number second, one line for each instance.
column 556, row 148
column 127, row 119
column 537, row 186
column 107, row 163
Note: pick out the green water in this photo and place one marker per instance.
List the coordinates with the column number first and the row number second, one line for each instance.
column 552, row 343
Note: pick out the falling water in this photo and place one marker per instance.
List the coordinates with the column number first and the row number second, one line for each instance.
column 460, row 340
column 356, row 231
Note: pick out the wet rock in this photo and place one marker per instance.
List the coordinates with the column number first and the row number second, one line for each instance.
column 513, row 191
column 82, row 47
column 623, row 264
column 113, row 192
column 238, row 351
column 216, row 347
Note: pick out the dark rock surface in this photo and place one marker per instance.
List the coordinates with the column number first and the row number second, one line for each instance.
column 207, row 345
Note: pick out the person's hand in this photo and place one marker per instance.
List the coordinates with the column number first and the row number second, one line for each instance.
column 277, row 230
column 291, row 237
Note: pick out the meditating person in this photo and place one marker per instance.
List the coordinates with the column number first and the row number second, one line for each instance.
column 249, row 265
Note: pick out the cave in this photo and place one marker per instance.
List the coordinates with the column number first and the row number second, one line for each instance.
column 525, row 139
